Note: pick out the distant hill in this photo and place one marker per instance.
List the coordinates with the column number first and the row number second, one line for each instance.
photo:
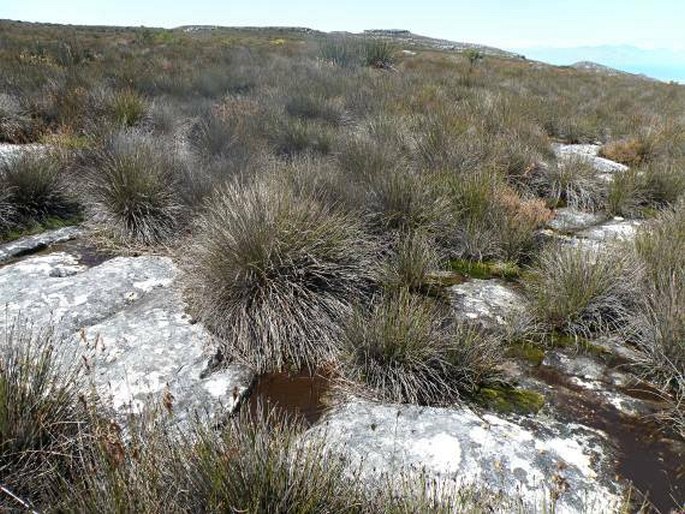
column 608, row 70
column 401, row 37
column 662, row 64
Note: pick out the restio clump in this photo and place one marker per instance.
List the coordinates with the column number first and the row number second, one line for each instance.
column 408, row 349
column 275, row 274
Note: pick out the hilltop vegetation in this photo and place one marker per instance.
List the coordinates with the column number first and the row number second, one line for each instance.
column 319, row 191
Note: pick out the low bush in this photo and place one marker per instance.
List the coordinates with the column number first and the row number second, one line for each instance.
column 631, row 152
column 491, row 220
column 252, row 464
column 516, row 221
column 409, row 349
column 580, row 290
column 275, row 274
column 308, row 107
column 134, row 190
column 7, row 210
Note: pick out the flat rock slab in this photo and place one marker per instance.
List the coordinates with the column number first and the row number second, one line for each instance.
column 32, row 244
column 10, row 151
column 488, row 302
column 589, row 153
column 151, row 347
column 126, row 319
column 603, row 385
column 567, row 219
column 457, row 444
column 616, row 230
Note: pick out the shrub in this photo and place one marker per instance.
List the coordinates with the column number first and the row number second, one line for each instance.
column 516, row 221
column 134, row 189
column 492, row 220
column 409, row 349
column 580, row 290
column 43, row 413
column 631, row 152
column 362, row 159
column 213, row 137
column 33, row 184
column 270, row 469
column 274, row 274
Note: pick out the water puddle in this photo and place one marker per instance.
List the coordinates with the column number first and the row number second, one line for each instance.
column 300, row 395
column 652, row 462
column 86, row 254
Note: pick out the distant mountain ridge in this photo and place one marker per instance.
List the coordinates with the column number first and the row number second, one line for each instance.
column 663, row 64
column 399, row 36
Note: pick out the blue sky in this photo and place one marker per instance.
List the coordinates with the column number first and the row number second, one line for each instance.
column 510, row 24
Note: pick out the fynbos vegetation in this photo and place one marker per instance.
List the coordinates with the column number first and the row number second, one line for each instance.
column 322, row 195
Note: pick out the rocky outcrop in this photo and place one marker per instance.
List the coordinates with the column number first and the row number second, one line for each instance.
column 588, row 152
column 490, row 303
column 35, row 243
column 125, row 318
column 522, row 458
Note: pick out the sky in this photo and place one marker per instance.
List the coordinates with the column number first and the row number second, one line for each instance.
column 523, row 25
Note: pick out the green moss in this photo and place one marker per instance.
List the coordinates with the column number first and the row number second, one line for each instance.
column 561, row 340
column 49, row 223
column 507, row 399
column 527, row 351
column 485, row 270
column 446, row 279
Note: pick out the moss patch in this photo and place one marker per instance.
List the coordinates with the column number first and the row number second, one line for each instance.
column 507, row 399
column 527, row 351
column 50, row 223
column 560, row 340
column 485, row 270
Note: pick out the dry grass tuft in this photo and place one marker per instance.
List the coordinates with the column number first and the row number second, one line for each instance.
column 275, row 274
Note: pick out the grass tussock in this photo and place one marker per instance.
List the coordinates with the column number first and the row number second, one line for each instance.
column 579, row 290
column 42, row 412
column 275, row 274
column 33, row 189
column 127, row 108
column 408, row 350
column 661, row 320
column 134, row 190
column 16, row 123
column 571, row 183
